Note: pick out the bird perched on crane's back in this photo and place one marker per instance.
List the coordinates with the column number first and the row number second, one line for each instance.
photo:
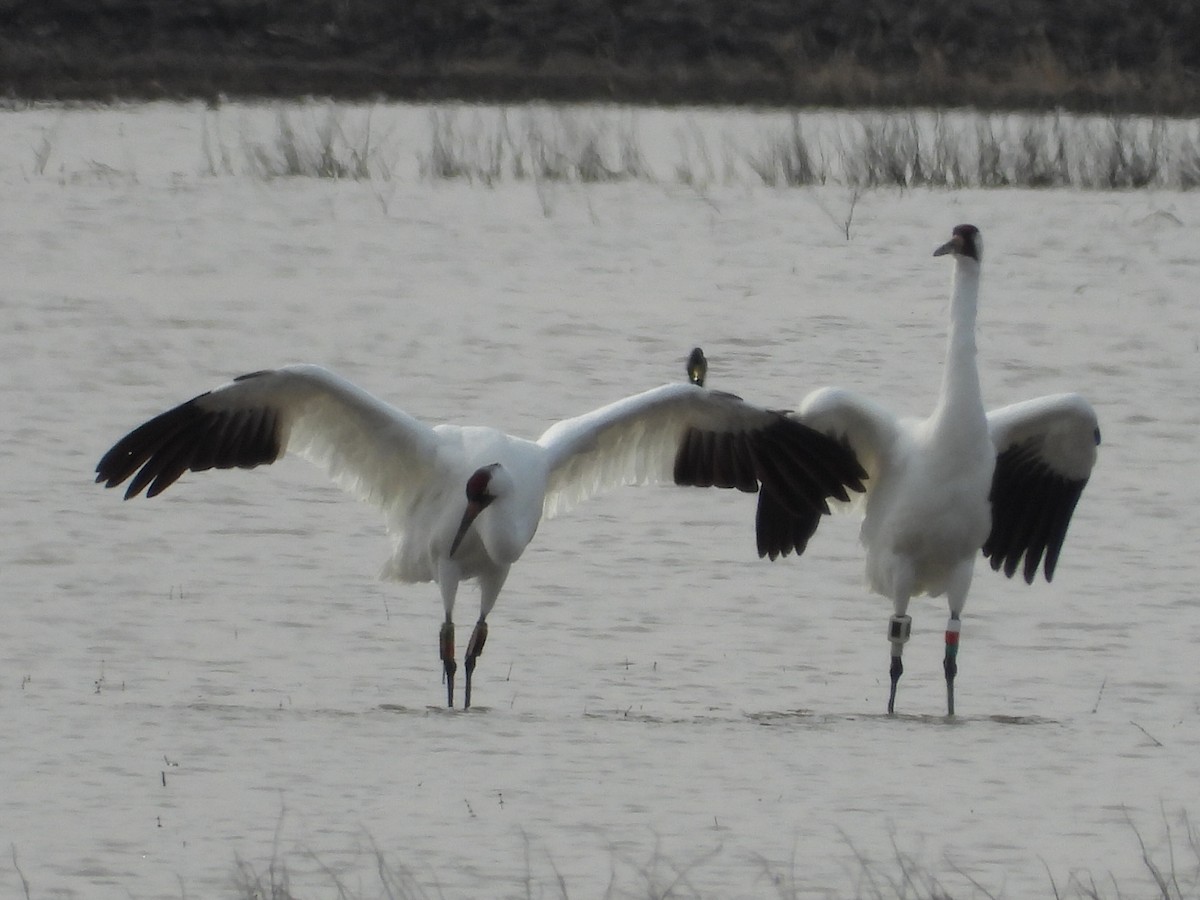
column 463, row 502
column 697, row 366
column 944, row 488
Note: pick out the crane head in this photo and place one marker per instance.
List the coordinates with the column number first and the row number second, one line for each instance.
column 479, row 497
column 965, row 241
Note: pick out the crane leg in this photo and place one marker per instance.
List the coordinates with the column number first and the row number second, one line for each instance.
column 449, row 666
column 899, row 631
column 474, row 649
column 950, row 663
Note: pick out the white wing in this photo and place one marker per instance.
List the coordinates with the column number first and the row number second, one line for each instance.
column 1062, row 427
column 367, row 447
column 1045, row 451
column 693, row 436
column 870, row 429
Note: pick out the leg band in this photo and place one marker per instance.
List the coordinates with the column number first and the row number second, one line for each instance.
column 953, row 627
column 900, row 629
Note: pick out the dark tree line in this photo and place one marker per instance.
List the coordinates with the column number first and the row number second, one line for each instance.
column 1086, row 52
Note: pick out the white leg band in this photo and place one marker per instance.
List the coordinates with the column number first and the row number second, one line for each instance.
column 899, row 629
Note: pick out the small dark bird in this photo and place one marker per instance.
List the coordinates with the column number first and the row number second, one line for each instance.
column 697, row 367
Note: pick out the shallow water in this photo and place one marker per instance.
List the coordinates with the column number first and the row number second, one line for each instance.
column 216, row 675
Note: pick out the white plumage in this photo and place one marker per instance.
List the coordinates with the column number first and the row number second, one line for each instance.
column 941, row 489
column 463, row 502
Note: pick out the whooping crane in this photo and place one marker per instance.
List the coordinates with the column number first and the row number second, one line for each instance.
column 941, row 489
column 463, row 502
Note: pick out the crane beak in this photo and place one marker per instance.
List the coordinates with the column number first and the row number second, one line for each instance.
column 950, row 246
column 474, row 508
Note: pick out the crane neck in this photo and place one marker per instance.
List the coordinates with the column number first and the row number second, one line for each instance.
column 961, row 397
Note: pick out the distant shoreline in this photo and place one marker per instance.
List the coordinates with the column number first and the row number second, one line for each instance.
column 1102, row 56
column 170, row 77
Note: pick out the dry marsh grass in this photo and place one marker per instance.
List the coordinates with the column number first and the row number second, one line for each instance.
column 868, row 151
column 305, row 145
column 550, row 145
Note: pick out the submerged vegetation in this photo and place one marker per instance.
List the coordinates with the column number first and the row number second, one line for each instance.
column 1172, row 870
column 1171, row 867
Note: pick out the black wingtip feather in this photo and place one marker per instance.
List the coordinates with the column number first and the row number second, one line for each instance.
column 794, row 468
column 780, row 530
column 1031, row 511
column 189, row 437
